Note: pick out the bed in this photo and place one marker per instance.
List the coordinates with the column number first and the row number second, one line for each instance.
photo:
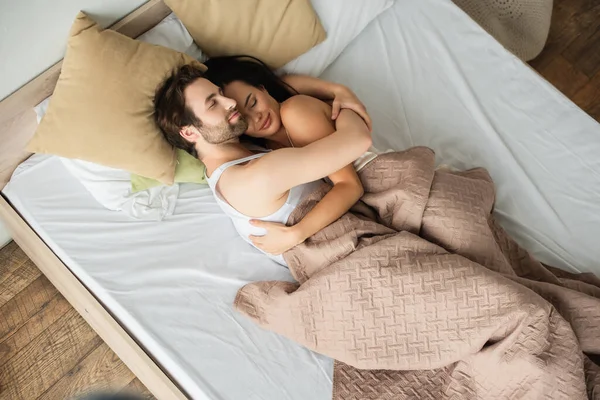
column 428, row 76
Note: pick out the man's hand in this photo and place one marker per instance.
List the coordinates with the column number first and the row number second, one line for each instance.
column 279, row 238
column 345, row 98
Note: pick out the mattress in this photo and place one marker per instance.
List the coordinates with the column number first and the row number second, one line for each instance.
column 429, row 76
column 172, row 285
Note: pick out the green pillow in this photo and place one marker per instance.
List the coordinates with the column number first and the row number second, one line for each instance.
column 189, row 170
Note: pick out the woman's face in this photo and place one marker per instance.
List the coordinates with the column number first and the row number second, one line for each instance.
column 260, row 110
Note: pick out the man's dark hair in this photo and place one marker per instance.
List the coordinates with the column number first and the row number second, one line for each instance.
column 170, row 111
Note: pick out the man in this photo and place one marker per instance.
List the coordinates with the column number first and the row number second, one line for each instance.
column 194, row 115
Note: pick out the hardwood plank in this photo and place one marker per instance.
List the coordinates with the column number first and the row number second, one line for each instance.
column 47, row 358
column 48, row 314
column 8, row 252
column 18, row 280
column 11, row 258
column 588, row 98
column 569, row 19
column 100, row 372
column 130, row 352
column 584, row 51
column 564, row 76
column 138, row 389
column 16, row 312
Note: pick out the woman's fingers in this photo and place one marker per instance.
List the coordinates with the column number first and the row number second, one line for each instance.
column 257, row 240
column 277, row 239
column 263, row 224
column 335, row 109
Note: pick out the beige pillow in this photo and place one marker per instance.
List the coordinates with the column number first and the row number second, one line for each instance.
column 275, row 31
column 101, row 109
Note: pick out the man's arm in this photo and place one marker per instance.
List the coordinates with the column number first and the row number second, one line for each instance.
column 342, row 96
column 282, row 169
column 347, row 188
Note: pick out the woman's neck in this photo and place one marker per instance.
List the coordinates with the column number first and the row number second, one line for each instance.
column 281, row 137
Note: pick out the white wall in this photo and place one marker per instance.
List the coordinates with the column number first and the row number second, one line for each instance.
column 33, row 36
column 4, row 236
column 33, row 33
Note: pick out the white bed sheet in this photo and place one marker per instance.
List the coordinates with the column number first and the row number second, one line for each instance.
column 428, row 76
column 172, row 284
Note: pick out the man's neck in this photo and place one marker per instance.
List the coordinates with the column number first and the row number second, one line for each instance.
column 221, row 154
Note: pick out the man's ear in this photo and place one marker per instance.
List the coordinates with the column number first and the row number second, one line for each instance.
column 190, row 133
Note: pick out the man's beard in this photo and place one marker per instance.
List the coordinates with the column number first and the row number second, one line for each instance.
column 225, row 131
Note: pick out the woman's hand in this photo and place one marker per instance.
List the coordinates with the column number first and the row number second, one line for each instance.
column 278, row 239
column 345, row 98
column 342, row 96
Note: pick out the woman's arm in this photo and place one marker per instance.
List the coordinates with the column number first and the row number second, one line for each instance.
column 280, row 238
column 341, row 95
column 347, row 188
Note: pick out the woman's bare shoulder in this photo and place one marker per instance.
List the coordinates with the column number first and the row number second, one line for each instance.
column 306, row 119
column 302, row 105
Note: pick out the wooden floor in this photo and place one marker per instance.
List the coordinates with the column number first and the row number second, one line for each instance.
column 571, row 58
column 47, row 351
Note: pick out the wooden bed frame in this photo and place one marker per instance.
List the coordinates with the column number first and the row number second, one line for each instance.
column 17, row 126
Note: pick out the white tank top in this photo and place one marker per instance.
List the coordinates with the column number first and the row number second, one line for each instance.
column 241, row 221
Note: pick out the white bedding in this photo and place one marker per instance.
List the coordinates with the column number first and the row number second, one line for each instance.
column 172, row 284
column 428, row 75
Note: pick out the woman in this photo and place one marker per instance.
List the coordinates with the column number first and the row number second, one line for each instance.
column 270, row 105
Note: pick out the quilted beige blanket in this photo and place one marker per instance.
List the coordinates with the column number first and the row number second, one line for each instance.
column 419, row 294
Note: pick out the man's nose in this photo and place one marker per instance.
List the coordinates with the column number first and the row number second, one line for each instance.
column 229, row 103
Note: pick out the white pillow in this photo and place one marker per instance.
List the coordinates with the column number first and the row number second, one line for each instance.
column 112, row 187
column 171, row 33
column 343, row 21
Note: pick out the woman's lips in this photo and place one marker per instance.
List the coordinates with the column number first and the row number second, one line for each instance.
column 267, row 123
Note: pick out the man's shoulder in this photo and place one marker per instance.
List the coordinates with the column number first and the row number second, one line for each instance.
column 246, row 175
column 246, row 187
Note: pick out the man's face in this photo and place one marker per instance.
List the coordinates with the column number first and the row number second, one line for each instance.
column 221, row 122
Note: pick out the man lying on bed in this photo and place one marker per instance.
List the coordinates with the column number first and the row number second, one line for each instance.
column 196, row 116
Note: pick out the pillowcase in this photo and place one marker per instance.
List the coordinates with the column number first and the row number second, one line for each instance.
column 101, row 109
column 111, row 187
column 189, row 170
column 275, row 31
column 171, row 33
column 343, row 20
